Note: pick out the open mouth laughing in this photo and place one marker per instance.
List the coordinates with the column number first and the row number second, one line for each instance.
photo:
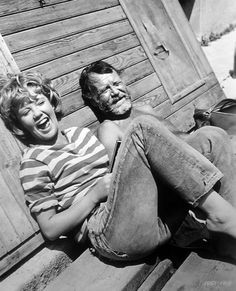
column 43, row 123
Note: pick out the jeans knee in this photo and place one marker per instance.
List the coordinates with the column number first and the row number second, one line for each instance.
column 213, row 131
column 144, row 122
column 209, row 139
column 215, row 135
column 210, row 133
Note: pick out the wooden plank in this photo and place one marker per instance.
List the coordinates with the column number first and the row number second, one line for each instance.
column 49, row 14
column 9, row 237
column 7, row 63
column 158, row 277
column 80, row 59
column 70, row 82
column 10, row 154
column 144, row 86
column 83, row 118
column 154, row 97
column 60, row 29
column 23, row 250
column 14, row 186
column 15, row 189
column 71, row 44
column 137, row 71
column 104, row 277
column 3, row 249
column 21, row 225
column 183, row 119
column 13, row 6
column 203, row 274
column 187, row 36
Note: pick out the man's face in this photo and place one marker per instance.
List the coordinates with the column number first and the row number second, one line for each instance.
column 112, row 95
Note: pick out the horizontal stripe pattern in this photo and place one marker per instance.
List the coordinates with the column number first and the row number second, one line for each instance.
column 62, row 174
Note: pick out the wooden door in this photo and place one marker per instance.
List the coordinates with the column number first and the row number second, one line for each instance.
column 167, row 39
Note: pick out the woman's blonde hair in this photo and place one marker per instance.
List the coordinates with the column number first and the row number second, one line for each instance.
column 16, row 89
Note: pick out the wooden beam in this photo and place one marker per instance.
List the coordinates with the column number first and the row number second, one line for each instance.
column 7, row 63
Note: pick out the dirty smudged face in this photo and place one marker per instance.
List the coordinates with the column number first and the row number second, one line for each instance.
column 112, row 96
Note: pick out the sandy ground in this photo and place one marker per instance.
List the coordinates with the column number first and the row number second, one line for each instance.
column 220, row 54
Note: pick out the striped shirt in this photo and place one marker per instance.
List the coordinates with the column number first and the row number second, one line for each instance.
column 61, row 175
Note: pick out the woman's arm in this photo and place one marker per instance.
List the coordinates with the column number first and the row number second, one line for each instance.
column 108, row 134
column 53, row 224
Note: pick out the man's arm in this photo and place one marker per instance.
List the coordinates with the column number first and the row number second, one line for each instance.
column 108, row 133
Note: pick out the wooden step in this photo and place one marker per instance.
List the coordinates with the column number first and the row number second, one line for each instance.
column 88, row 273
column 198, row 273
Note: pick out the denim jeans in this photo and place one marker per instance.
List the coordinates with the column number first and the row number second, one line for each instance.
column 132, row 223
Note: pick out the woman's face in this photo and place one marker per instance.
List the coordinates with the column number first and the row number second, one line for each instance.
column 38, row 118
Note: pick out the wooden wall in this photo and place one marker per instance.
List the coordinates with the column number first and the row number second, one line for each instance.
column 150, row 40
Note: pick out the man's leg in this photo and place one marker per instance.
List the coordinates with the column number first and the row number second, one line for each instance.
column 214, row 143
column 129, row 222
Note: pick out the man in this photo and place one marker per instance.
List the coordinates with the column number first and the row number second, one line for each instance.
column 105, row 92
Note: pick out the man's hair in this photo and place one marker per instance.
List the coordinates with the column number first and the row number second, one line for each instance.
column 87, row 87
column 16, row 89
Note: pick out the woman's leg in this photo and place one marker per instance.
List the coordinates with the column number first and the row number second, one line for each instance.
column 128, row 225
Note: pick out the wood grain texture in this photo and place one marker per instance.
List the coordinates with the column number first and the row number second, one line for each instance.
column 193, row 46
column 12, row 6
column 7, row 63
column 44, row 34
column 49, row 14
column 82, row 58
column 105, row 277
column 21, row 252
column 71, row 44
column 201, row 274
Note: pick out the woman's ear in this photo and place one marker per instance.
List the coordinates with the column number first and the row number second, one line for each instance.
column 18, row 132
